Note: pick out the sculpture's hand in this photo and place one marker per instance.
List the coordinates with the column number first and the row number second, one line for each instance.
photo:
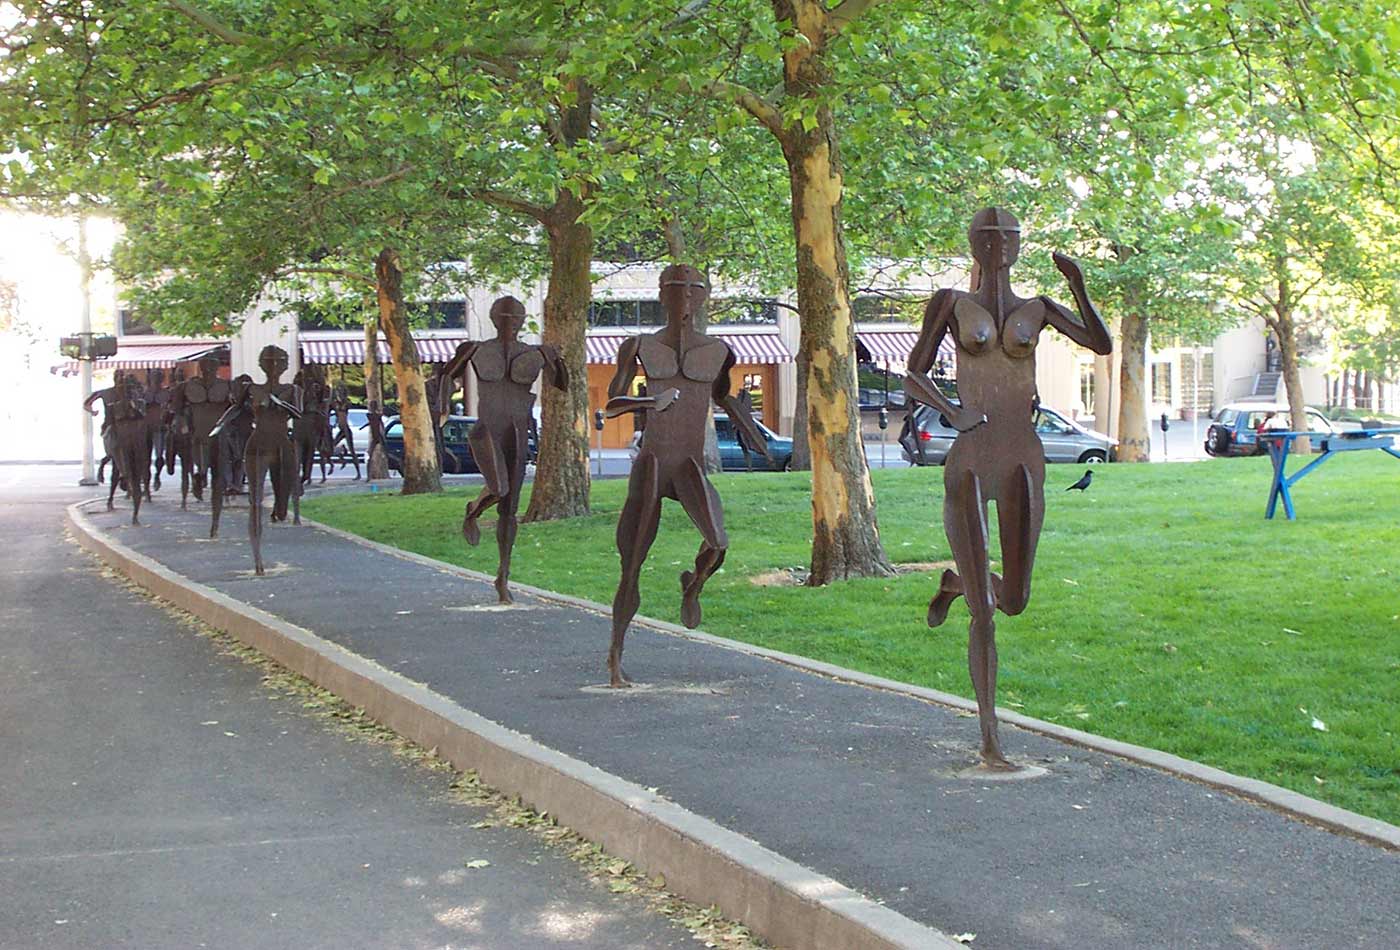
column 92, row 412
column 1069, row 268
column 966, row 419
column 665, row 398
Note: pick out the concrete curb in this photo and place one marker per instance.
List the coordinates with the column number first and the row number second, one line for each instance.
column 788, row 904
column 1291, row 803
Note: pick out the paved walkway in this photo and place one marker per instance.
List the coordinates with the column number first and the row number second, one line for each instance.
column 858, row 784
column 153, row 795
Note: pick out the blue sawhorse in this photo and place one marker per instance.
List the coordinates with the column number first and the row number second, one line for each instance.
column 1279, row 443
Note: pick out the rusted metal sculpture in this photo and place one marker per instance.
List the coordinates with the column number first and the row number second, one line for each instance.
column 998, row 456
column 311, row 431
column 127, row 411
column 157, row 398
column 344, row 434
column 205, row 397
column 685, row 370
column 270, row 451
column 109, row 438
column 506, row 369
column 376, row 457
column 228, row 446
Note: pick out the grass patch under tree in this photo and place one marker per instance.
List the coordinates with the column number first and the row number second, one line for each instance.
column 1165, row 610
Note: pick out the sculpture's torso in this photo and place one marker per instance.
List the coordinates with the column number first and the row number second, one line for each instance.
column 689, row 362
column 506, row 371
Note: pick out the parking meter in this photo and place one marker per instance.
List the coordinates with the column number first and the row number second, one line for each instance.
column 1165, row 424
column 598, row 426
column 884, row 418
column 598, row 419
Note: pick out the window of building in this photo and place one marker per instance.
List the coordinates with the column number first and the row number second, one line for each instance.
column 1162, row 382
column 130, row 324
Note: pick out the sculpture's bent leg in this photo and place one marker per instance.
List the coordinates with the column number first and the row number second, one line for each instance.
column 132, row 460
column 701, row 502
column 636, row 530
column 493, row 471
column 1020, row 512
column 965, row 519
column 506, row 523
column 349, row 438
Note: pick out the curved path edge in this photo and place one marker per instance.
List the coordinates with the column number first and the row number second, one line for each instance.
column 1287, row 801
column 787, row 904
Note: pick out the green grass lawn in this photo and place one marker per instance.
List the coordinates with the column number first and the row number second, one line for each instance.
column 1166, row 611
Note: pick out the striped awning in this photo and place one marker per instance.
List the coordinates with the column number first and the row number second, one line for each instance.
column 148, row 355
column 350, row 349
column 749, row 348
column 895, row 345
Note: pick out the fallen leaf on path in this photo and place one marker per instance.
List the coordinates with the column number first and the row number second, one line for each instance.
column 965, row 938
column 478, row 864
column 1319, row 725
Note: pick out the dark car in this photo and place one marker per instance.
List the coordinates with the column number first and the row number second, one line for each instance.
column 731, row 455
column 1235, row 428
column 457, row 451
column 928, row 438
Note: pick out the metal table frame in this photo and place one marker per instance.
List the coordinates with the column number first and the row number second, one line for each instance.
column 1278, row 444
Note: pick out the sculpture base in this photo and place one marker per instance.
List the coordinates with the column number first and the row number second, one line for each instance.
column 980, row 773
column 656, row 689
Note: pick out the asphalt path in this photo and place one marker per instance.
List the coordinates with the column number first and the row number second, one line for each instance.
column 865, row 786
column 153, row 794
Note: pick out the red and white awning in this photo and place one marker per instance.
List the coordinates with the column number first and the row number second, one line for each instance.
column 147, row 355
column 749, row 348
column 895, row 345
column 342, row 350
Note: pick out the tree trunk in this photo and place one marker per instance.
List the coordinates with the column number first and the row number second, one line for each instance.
column 376, row 466
column 1134, row 441
column 845, row 533
column 421, row 466
column 801, row 444
column 1292, row 379
column 561, row 473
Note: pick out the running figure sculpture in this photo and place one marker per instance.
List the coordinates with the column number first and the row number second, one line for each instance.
column 340, row 407
column 206, row 397
column 685, row 370
column 270, row 450
column 998, row 457
column 506, row 369
column 131, row 456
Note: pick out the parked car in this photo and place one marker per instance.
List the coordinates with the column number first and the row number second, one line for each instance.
column 1235, row 428
column 731, row 456
column 457, row 451
column 1063, row 439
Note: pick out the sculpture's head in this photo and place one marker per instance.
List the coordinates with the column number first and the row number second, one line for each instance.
column 508, row 316
column 157, row 378
column 995, row 236
column 273, row 361
column 208, row 368
column 684, row 291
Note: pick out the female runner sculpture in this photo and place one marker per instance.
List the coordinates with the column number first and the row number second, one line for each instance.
column 270, row 450
column 506, row 369
column 686, row 370
column 998, row 456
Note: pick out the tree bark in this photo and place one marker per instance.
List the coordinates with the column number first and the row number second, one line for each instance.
column 421, row 466
column 1134, row 440
column 1287, row 332
column 845, row 532
column 376, row 466
column 561, row 474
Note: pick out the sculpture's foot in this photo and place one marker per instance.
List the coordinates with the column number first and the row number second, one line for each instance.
column 690, row 600
column 994, row 761
column 111, row 507
column 155, row 485
column 470, row 532
column 503, row 591
column 619, row 680
column 213, row 533
column 198, row 494
column 938, row 606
